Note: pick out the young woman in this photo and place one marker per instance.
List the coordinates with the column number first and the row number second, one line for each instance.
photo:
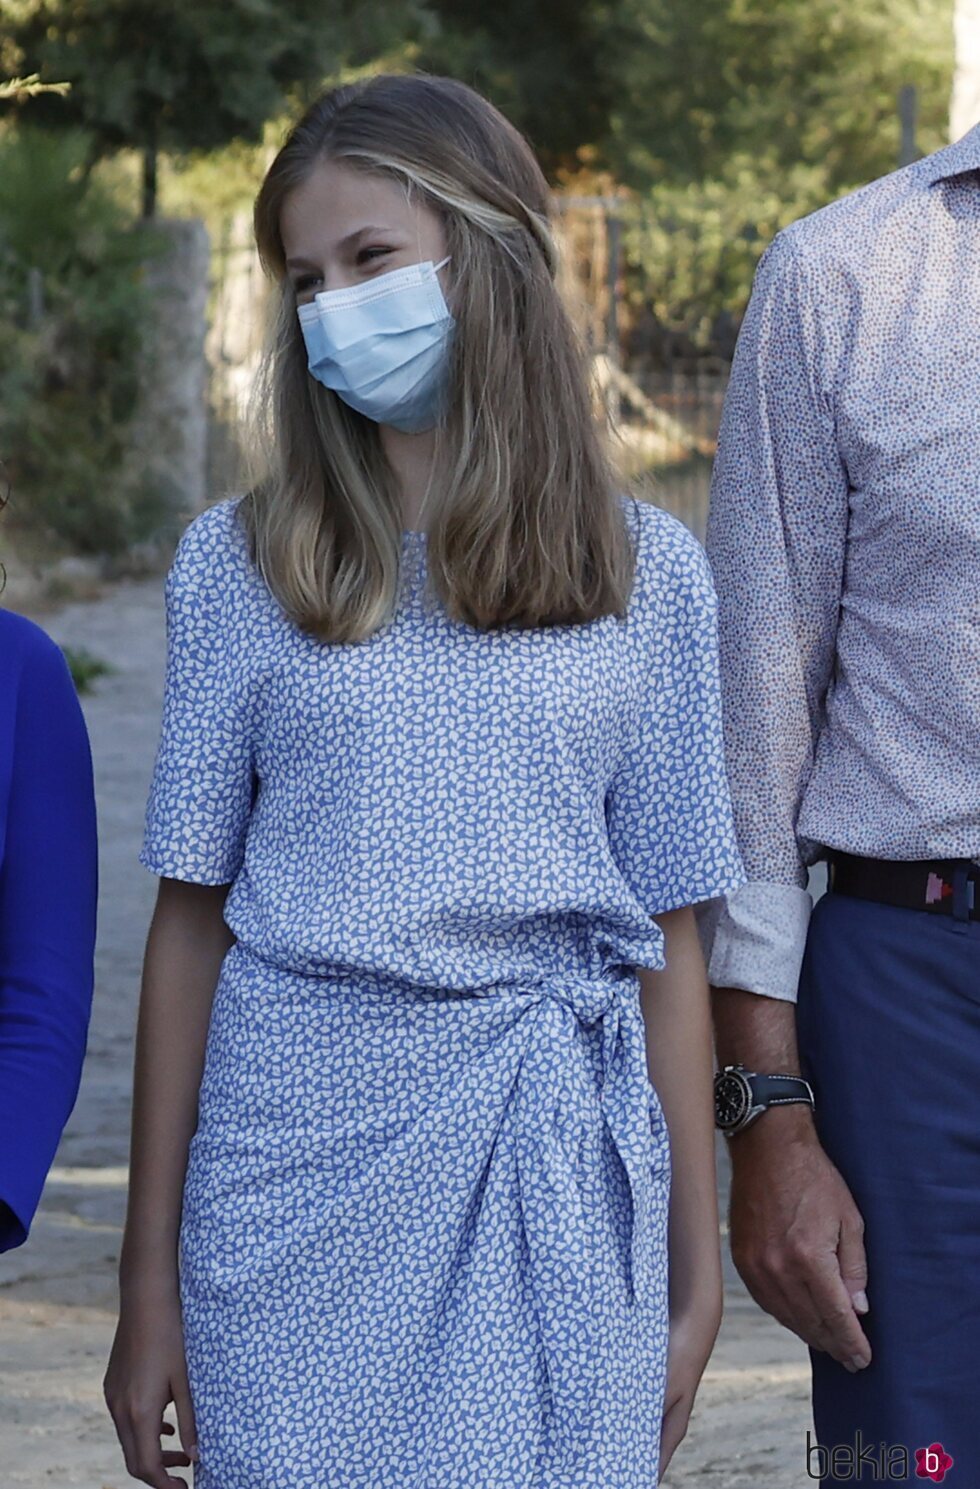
column 440, row 771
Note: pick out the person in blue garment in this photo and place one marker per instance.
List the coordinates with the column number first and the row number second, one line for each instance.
column 48, row 894
column 423, row 1073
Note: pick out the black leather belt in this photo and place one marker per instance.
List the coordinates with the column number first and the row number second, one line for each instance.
column 918, row 884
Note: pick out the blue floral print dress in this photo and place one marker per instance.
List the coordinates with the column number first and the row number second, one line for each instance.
column 423, row 1242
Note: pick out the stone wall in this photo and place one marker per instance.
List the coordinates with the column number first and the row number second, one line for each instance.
column 170, row 432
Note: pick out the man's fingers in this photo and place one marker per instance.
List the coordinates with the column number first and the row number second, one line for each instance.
column 820, row 1304
column 798, row 1244
column 795, row 1310
column 788, row 1306
column 806, row 1294
column 839, row 1327
column 852, row 1260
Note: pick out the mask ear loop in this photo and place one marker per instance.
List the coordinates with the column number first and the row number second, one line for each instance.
column 428, row 489
column 435, row 268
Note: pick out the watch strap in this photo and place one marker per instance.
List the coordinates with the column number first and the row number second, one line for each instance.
column 779, row 1090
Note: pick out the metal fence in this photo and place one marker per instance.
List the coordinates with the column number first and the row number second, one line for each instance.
column 688, row 404
column 664, row 422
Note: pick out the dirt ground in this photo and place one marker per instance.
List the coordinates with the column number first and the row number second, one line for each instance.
column 58, row 1293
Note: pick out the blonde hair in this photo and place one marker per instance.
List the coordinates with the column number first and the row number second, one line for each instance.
column 527, row 524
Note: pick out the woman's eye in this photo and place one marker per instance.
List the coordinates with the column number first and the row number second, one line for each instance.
column 307, row 282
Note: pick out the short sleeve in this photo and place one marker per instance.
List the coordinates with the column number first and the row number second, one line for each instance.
column 201, row 791
column 669, row 813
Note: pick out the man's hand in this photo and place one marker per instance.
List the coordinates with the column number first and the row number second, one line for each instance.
column 797, row 1235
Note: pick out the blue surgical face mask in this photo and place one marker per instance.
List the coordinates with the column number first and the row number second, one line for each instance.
column 383, row 346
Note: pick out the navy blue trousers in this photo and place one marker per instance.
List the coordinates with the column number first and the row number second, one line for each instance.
column 889, row 1027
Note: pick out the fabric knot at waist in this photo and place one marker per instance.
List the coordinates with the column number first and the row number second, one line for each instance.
column 554, row 1071
column 554, row 1103
column 590, row 1000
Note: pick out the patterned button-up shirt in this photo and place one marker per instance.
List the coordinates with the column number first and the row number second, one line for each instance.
column 844, row 538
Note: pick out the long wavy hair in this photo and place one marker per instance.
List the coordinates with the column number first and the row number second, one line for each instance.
column 527, row 526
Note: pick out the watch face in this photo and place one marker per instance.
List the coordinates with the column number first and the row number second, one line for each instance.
column 732, row 1099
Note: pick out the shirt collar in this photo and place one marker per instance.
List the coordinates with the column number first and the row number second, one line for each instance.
column 964, row 155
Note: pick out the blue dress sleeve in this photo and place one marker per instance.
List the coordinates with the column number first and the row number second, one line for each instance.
column 202, row 786
column 669, row 815
column 48, row 898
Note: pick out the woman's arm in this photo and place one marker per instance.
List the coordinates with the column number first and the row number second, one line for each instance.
column 185, row 946
column 195, row 828
column 676, row 1012
column 187, row 941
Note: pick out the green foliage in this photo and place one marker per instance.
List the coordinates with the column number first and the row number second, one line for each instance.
column 72, row 312
column 657, row 90
column 738, row 116
column 84, row 667
column 810, row 82
column 191, row 74
column 723, row 119
column 544, row 64
column 691, row 248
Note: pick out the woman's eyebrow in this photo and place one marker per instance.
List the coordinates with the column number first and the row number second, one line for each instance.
column 371, row 227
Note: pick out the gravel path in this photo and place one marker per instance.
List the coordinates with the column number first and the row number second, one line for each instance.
column 58, row 1294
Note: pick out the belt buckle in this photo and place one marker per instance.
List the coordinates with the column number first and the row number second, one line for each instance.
column 938, row 889
column 972, row 867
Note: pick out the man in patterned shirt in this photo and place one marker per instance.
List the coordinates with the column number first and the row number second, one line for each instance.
column 844, row 537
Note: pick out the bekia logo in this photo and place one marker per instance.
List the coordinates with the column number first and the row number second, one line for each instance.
column 932, row 1463
column 878, row 1463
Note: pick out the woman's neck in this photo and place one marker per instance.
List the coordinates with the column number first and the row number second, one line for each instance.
column 410, row 457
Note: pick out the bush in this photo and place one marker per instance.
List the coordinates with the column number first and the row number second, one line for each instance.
column 84, row 667
column 691, row 249
column 73, row 317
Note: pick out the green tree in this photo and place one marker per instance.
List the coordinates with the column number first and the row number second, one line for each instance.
column 803, row 82
column 188, row 74
column 721, row 120
column 765, row 110
column 656, row 90
column 73, row 307
column 543, row 64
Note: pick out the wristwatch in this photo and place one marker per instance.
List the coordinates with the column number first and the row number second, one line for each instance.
column 741, row 1095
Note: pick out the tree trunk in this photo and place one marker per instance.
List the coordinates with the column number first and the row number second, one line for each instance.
column 150, row 174
column 965, row 106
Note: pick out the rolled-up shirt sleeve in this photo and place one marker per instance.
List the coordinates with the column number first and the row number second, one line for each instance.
column 776, row 536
